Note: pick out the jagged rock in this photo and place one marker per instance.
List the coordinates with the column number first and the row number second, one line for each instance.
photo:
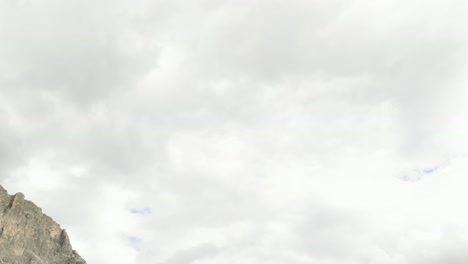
column 31, row 237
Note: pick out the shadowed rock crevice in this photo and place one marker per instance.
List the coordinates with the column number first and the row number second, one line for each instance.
column 29, row 236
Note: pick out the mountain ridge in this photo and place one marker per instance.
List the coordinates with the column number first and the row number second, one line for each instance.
column 29, row 236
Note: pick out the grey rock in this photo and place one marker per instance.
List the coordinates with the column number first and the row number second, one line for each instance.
column 31, row 237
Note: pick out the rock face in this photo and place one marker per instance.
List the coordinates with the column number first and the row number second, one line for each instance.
column 31, row 237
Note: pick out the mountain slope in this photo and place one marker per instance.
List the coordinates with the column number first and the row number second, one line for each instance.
column 29, row 236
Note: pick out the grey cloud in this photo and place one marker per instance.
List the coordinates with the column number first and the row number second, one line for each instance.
column 82, row 51
column 193, row 254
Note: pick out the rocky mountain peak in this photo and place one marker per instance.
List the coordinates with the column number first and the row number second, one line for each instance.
column 29, row 236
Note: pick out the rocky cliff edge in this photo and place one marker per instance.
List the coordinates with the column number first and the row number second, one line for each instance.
column 31, row 237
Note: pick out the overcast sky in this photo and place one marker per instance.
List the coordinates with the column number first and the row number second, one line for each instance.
column 241, row 131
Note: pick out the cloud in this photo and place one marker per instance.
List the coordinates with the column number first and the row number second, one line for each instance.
column 193, row 254
column 243, row 131
column 80, row 51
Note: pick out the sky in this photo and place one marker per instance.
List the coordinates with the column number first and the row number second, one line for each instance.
column 207, row 131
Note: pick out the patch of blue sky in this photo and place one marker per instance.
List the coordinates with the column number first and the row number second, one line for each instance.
column 430, row 170
column 144, row 212
column 415, row 175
